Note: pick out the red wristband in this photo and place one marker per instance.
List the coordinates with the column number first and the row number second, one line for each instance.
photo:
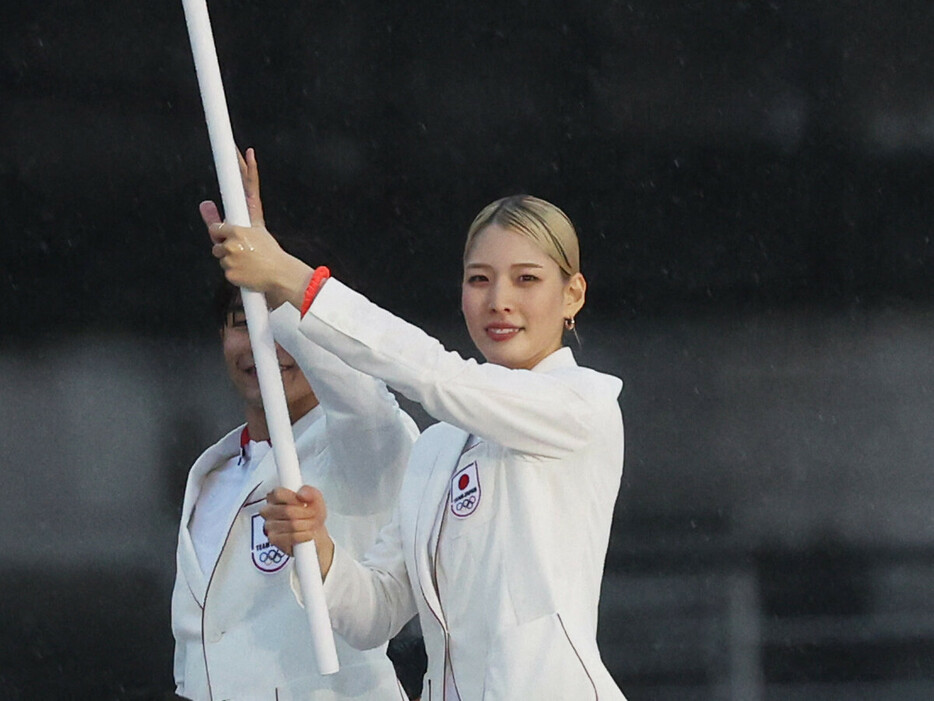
column 317, row 279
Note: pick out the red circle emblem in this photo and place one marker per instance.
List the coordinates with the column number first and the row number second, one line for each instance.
column 463, row 482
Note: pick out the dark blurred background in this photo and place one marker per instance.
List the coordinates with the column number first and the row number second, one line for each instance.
column 753, row 185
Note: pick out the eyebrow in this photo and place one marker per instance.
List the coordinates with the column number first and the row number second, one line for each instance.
column 514, row 265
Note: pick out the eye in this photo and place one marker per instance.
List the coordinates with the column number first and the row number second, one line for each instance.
column 237, row 319
column 528, row 277
column 476, row 278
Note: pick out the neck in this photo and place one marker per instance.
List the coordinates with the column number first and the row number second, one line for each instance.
column 256, row 424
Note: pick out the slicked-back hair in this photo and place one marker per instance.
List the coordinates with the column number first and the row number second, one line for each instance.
column 537, row 219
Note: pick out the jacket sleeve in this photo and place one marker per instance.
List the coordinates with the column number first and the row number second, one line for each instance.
column 179, row 661
column 541, row 413
column 368, row 435
column 178, row 658
column 369, row 601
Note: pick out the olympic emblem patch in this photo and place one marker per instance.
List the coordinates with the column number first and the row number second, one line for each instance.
column 266, row 557
column 465, row 491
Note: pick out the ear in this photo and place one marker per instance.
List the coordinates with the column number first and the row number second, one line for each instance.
column 575, row 292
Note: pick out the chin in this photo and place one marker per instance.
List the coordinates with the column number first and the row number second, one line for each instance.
column 503, row 359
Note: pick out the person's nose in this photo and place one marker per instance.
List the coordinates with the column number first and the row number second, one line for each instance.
column 500, row 298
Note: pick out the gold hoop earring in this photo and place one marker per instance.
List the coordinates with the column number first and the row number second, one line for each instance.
column 569, row 323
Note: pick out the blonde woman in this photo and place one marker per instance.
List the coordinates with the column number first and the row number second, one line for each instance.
column 500, row 534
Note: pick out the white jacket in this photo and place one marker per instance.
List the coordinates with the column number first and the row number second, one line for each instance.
column 239, row 634
column 518, row 619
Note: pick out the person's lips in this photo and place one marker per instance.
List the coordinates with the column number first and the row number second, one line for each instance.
column 501, row 332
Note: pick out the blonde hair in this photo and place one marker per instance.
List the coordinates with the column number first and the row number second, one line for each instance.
column 542, row 222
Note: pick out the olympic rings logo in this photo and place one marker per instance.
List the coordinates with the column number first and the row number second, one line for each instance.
column 273, row 555
column 465, row 504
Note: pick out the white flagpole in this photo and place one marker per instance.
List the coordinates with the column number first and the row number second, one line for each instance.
column 261, row 340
